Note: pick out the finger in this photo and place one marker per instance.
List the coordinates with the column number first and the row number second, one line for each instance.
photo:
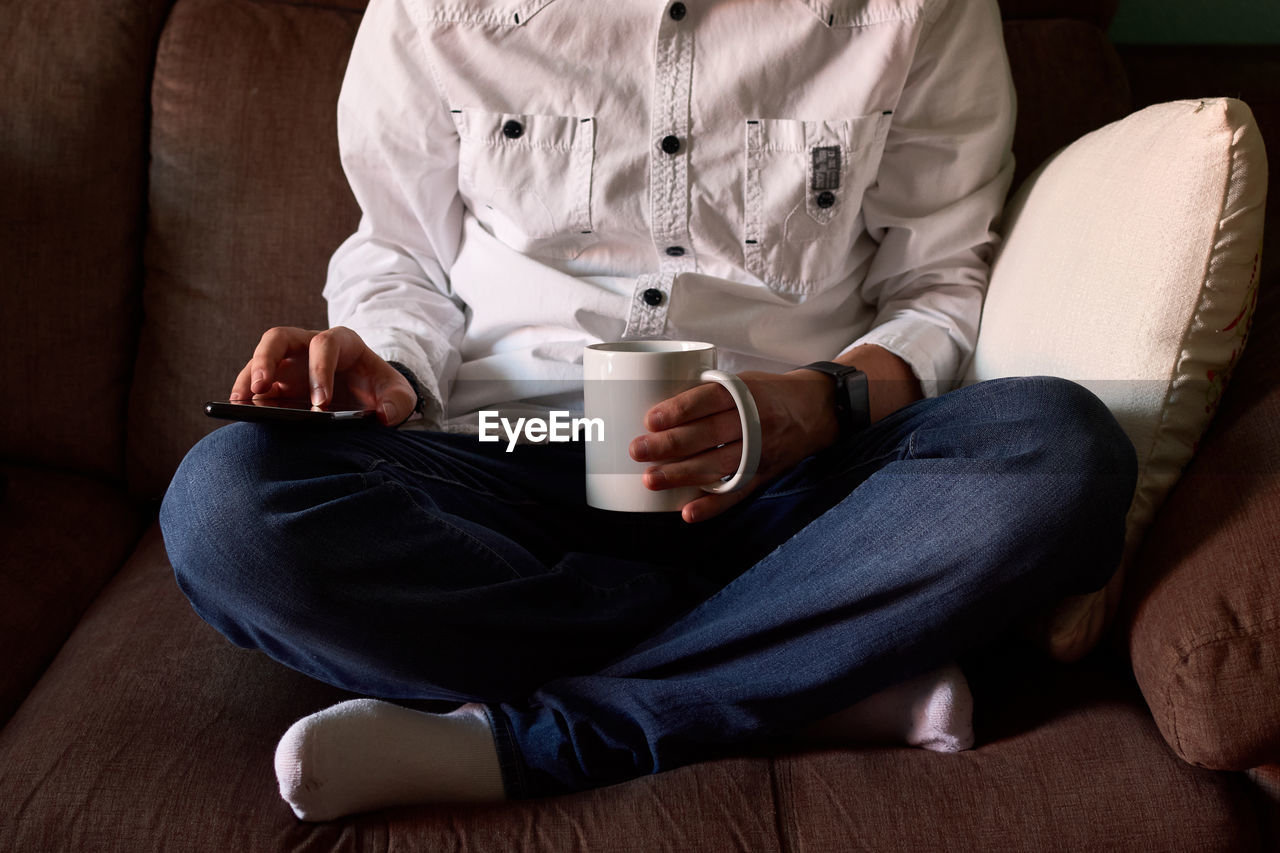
column 323, row 354
column 275, row 344
column 698, row 402
column 291, row 379
column 395, row 396
column 688, row 439
column 701, row 470
column 709, row 506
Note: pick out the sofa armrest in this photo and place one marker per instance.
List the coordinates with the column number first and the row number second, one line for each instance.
column 1201, row 615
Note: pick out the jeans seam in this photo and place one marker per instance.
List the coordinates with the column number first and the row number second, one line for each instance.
column 625, row 586
column 813, row 484
column 484, row 546
column 429, row 476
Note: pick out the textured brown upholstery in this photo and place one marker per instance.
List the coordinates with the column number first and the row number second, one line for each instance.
column 1204, row 599
column 1068, row 759
column 73, row 133
column 1069, row 82
column 176, row 754
column 248, row 201
column 64, row 536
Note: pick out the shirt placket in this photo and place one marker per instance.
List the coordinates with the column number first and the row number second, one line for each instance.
column 668, row 174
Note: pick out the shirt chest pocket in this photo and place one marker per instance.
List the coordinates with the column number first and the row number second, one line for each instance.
column 527, row 178
column 802, row 195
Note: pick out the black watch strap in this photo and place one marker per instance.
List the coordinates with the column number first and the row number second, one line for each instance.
column 853, row 403
column 413, row 383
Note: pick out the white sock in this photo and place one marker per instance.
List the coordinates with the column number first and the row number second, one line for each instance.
column 932, row 711
column 364, row 754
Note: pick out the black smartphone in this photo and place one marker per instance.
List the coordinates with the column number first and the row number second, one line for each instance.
column 277, row 410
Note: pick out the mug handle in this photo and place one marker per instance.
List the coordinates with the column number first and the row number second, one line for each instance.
column 750, row 418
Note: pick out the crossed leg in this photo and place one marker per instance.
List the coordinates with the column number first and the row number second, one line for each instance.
column 598, row 646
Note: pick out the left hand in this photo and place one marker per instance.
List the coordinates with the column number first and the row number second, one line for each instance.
column 695, row 437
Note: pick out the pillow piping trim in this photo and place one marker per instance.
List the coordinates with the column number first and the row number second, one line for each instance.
column 1180, row 375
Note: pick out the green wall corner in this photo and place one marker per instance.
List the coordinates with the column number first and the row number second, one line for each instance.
column 1197, row 22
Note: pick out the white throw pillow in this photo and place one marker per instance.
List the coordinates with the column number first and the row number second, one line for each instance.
column 1130, row 265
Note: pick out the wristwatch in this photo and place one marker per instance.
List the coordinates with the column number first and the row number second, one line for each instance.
column 853, row 406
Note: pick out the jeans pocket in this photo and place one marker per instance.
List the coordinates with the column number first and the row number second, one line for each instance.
column 527, row 179
column 803, row 186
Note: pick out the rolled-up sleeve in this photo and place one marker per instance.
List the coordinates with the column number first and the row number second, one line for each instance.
column 390, row 280
column 946, row 169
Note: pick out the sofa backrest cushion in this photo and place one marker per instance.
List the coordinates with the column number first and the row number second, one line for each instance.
column 1070, row 81
column 1097, row 12
column 73, row 107
column 247, row 202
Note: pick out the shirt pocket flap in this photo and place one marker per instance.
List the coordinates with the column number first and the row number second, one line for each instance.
column 528, row 177
column 507, row 13
column 864, row 13
column 523, row 130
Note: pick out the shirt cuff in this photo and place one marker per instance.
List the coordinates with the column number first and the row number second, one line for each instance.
column 428, row 413
column 929, row 351
column 420, row 404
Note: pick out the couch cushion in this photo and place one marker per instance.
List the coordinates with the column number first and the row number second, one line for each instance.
column 73, row 96
column 62, row 536
column 1069, row 82
column 248, row 201
column 1067, row 758
column 152, row 732
column 1202, row 617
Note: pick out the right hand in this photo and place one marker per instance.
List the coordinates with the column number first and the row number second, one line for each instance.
column 333, row 367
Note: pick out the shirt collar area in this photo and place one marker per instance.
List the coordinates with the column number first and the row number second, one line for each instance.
column 862, row 13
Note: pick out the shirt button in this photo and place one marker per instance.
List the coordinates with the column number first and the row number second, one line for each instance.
column 512, row 129
column 670, row 144
column 652, row 297
column 675, row 251
column 677, row 11
column 826, row 198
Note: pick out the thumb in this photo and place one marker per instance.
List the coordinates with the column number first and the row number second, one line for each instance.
column 711, row 505
column 396, row 401
column 389, row 413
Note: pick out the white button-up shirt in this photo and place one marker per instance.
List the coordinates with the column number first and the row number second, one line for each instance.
column 786, row 179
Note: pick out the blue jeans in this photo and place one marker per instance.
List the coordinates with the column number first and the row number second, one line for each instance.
column 418, row 565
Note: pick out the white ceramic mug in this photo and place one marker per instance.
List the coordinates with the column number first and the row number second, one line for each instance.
column 622, row 381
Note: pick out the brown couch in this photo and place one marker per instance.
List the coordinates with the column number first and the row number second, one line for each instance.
column 172, row 188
